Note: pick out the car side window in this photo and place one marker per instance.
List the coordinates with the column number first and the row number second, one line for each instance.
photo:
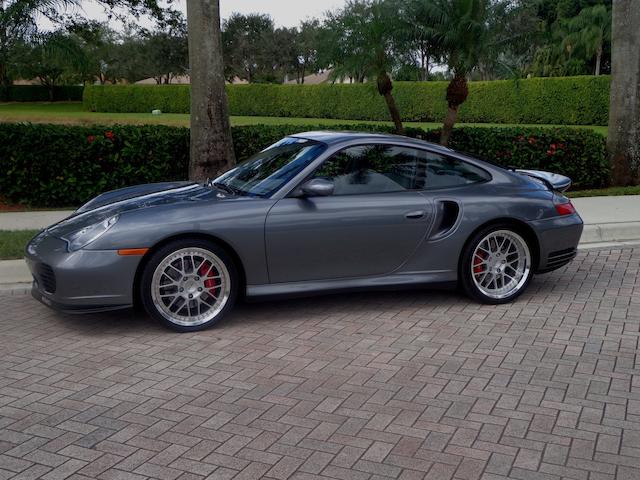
column 377, row 168
column 367, row 169
column 443, row 171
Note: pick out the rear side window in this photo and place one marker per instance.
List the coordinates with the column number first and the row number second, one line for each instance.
column 443, row 172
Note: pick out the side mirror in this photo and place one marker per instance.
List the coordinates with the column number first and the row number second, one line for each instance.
column 316, row 187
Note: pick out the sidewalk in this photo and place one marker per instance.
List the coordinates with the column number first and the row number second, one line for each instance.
column 31, row 220
column 608, row 221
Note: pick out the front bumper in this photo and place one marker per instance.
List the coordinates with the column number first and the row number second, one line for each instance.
column 558, row 238
column 84, row 281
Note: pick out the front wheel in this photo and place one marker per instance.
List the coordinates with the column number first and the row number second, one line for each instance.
column 496, row 265
column 189, row 285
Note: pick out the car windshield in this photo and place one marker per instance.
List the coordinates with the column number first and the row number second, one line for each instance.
column 265, row 173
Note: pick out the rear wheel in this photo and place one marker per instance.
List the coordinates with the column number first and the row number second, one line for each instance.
column 189, row 285
column 496, row 265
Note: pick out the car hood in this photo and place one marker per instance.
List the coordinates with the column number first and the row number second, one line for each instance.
column 127, row 199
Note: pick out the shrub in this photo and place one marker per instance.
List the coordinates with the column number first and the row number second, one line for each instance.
column 137, row 98
column 39, row 93
column 564, row 101
column 59, row 165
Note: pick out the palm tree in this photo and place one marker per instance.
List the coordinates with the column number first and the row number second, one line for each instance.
column 361, row 42
column 588, row 33
column 462, row 30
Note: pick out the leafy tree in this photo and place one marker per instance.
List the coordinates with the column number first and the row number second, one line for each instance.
column 362, row 41
column 462, row 30
column 245, row 44
column 18, row 21
column 575, row 37
column 588, row 33
column 166, row 49
column 100, row 46
column 307, row 48
column 50, row 58
column 423, row 47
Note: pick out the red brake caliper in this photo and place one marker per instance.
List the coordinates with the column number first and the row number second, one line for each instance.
column 206, row 271
column 478, row 259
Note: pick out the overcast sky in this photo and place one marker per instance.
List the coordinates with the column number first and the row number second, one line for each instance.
column 285, row 13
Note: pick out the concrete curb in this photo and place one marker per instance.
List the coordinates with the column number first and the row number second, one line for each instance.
column 611, row 232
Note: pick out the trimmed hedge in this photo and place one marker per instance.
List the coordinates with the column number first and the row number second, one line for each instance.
column 137, row 98
column 59, row 165
column 558, row 100
column 39, row 93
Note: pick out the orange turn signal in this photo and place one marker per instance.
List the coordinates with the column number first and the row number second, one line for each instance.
column 127, row 252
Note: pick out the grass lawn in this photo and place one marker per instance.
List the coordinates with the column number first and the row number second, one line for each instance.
column 603, row 192
column 12, row 243
column 73, row 113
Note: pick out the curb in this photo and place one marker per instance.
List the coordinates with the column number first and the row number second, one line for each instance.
column 611, row 232
column 15, row 288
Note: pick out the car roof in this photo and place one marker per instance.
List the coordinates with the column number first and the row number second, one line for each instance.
column 333, row 137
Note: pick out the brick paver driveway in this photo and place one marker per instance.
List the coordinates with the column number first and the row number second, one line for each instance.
column 377, row 385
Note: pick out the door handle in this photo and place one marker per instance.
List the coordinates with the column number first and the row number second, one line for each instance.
column 416, row 214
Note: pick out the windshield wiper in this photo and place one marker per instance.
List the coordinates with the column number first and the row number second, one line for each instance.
column 228, row 188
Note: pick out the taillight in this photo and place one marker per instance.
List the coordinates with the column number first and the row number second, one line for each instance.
column 565, row 208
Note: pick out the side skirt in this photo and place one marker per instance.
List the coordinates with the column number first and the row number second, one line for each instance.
column 434, row 279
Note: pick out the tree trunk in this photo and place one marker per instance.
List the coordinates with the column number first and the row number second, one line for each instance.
column 447, row 126
column 394, row 112
column 457, row 93
column 385, row 86
column 211, row 144
column 598, row 60
column 624, row 115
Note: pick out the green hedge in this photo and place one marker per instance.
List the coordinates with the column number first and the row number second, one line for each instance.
column 59, row 165
column 563, row 101
column 38, row 93
column 137, row 98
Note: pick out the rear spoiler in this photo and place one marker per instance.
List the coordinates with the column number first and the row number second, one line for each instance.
column 554, row 181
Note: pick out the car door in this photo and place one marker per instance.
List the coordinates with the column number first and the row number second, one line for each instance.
column 370, row 225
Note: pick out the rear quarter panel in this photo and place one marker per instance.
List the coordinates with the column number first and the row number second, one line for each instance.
column 479, row 205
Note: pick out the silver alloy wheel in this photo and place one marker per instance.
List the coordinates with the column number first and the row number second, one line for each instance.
column 190, row 286
column 500, row 264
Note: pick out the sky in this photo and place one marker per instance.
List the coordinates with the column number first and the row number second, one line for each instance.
column 285, row 13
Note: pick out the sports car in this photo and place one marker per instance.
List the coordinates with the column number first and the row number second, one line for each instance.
column 316, row 212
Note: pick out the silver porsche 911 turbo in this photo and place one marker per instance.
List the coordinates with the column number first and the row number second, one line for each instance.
column 314, row 213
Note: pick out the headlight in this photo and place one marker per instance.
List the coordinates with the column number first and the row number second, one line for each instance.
column 88, row 234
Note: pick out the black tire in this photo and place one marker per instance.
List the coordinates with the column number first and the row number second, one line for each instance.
column 173, row 248
column 467, row 282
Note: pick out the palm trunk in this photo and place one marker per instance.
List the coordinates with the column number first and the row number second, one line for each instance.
column 211, row 144
column 598, row 60
column 385, row 86
column 394, row 112
column 447, row 126
column 457, row 93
